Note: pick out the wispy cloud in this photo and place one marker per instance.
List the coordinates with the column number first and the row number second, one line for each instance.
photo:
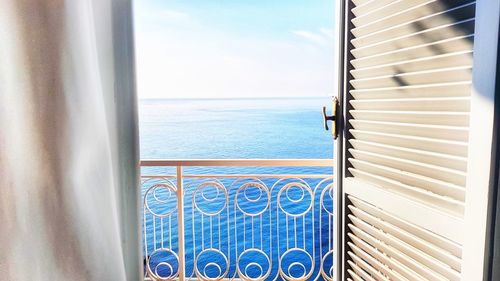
column 322, row 37
column 327, row 32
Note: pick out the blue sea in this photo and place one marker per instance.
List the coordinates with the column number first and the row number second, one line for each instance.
column 236, row 224
column 234, row 128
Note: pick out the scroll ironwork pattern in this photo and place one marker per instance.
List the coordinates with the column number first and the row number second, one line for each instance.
column 265, row 227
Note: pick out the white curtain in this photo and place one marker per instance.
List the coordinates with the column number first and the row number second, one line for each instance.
column 69, row 197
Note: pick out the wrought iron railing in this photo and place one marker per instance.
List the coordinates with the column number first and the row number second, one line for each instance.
column 240, row 219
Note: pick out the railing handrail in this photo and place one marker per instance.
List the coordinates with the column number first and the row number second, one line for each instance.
column 238, row 162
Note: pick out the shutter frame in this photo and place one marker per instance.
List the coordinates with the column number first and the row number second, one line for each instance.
column 340, row 53
column 481, row 169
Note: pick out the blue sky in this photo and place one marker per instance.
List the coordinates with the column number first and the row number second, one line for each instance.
column 234, row 48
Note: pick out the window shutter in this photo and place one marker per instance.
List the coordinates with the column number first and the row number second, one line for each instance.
column 409, row 89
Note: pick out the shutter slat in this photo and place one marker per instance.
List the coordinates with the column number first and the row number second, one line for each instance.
column 407, row 253
column 421, row 117
column 393, row 264
column 366, row 266
column 414, row 13
column 357, row 277
column 457, row 89
column 453, row 74
column 362, row 2
column 376, row 264
column 439, row 173
column 426, row 144
column 446, row 46
column 453, row 133
column 385, row 10
column 427, row 36
column 369, row 6
column 364, row 225
column 359, row 271
column 446, row 204
column 432, row 158
column 412, row 257
column 449, row 60
column 401, row 263
column 449, row 16
column 456, row 104
column 413, row 230
column 426, row 183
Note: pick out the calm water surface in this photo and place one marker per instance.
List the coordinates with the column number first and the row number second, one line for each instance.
column 260, row 128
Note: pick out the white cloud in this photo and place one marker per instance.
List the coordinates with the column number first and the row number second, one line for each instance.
column 322, row 37
column 310, row 36
column 327, row 32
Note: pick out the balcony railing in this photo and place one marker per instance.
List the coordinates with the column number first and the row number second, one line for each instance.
column 238, row 219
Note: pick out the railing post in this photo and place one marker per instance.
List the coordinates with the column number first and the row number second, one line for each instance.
column 180, row 223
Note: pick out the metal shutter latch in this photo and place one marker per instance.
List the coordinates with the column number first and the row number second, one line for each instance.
column 333, row 117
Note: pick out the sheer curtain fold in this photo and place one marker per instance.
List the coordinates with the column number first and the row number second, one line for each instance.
column 69, row 198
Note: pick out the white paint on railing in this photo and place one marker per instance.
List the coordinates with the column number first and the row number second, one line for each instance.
column 239, row 162
column 180, row 226
column 297, row 230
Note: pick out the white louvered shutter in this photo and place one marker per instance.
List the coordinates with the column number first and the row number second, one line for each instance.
column 418, row 81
